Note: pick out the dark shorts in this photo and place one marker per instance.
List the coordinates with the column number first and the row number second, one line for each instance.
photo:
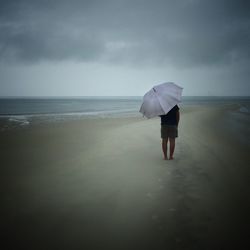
column 169, row 131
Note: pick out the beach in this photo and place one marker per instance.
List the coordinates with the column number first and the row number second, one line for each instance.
column 102, row 183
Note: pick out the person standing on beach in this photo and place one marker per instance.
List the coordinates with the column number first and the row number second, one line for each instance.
column 169, row 131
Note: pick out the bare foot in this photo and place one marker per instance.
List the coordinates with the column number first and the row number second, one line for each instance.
column 171, row 158
column 165, row 158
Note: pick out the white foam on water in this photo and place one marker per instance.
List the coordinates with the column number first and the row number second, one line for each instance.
column 19, row 119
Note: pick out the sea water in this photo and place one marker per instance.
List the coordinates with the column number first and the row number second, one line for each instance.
column 23, row 111
column 70, row 106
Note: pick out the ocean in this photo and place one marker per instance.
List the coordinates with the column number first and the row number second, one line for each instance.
column 23, row 111
column 87, row 106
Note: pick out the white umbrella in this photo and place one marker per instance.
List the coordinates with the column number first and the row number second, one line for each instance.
column 161, row 99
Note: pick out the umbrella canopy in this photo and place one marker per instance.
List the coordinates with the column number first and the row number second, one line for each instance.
column 161, row 99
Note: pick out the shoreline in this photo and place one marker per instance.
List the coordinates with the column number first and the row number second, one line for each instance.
column 36, row 118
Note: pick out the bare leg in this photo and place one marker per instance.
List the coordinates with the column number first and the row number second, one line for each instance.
column 165, row 148
column 172, row 147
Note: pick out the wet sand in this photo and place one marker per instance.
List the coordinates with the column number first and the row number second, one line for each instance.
column 102, row 184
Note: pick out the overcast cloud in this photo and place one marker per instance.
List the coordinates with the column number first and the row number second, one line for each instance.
column 180, row 34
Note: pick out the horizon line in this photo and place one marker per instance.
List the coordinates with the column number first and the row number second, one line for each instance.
column 111, row 96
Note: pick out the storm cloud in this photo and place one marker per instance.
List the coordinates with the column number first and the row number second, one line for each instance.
column 180, row 33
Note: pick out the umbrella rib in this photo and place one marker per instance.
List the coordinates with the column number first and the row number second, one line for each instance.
column 159, row 101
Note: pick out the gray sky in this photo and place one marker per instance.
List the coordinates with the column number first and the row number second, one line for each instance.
column 124, row 47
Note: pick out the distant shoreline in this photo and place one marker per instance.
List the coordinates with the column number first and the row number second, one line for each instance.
column 30, row 106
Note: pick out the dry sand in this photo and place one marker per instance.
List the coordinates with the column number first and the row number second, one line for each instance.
column 102, row 184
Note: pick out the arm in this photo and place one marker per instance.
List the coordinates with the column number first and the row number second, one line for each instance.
column 177, row 117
